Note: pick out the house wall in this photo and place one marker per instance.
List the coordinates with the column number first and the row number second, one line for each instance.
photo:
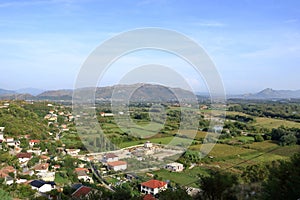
column 120, row 167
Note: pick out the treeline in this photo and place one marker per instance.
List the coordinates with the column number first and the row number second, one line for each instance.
column 288, row 111
column 285, row 135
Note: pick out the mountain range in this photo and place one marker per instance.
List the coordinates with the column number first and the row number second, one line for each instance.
column 147, row 92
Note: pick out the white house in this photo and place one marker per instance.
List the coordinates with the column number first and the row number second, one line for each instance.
column 73, row 152
column 117, row 165
column 82, row 175
column 110, row 157
column 46, row 176
column 24, row 157
column 1, row 136
column 174, row 167
column 33, row 142
column 35, row 151
column 153, row 187
column 103, row 114
column 148, row 144
column 2, row 129
column 42, row 186
column 12, row 143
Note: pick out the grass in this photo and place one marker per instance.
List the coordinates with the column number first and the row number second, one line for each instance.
column 274, row 123
column 223, row 150
column 187, row 177
column 266, row 122
column 60, row 180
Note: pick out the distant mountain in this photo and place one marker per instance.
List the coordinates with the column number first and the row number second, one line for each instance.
column 16, row 96
column 136, row 92
column 4, row 92
column 32, row 91
column 269, row 93
column 56, row 95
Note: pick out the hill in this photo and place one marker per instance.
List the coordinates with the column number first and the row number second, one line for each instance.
column 20, row 121
column 269, row 93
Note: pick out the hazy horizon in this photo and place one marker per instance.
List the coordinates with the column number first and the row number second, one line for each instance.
column 254, row 44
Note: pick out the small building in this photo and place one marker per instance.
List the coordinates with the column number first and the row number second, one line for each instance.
column 4, row 173
column 42, row 186
column 153, row 187
column 46, row 176
column 110, row 157
column 72, row 152
column 12, row 143
column 2, row 129
column 148, row 144
column 81, row 192
column 103, row 114
column 33, row 142
column 117, row 165
column 41, row 168
column 174, row 167
column 24, row 157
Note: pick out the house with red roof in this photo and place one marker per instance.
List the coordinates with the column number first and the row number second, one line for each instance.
column 153, row 187
column 33, row 142
column 149, row 197
column 117, row 165
column 24, row 158
column 81, row 192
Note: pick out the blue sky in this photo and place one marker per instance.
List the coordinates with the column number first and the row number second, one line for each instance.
column 254, row 44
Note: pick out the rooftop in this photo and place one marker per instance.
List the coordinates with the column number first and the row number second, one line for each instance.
column 154, row 184
column 116, row 163
column 81, row 192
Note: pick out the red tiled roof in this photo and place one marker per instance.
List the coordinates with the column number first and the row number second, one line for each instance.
column 4, row 172
column 81, row 169
column 43, row 166
column 116, row 163
column 81, row 192
column 43, row 157
column 154, row 184
column 34, row 141
column 148, row 197
column 24, row 155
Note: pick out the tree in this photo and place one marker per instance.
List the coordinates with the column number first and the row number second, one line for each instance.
column 284, row 180
column 255, row 173
column 289, row 139
column 218, row 185
column 177, row 194
column 258, row 138
column 4, row 195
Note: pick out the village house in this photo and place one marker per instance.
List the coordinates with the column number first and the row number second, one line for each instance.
column 153, row 187
column 82, row 174
column 4, row 173
column 36, row 151
column 148, row 144
column 117, row 165
column 174, row 167
column 24, row 158
column 110, row 157
column 82, row 192
column 72, row 152
column 33, row 142
column 46, row 176
column 11, row 142
column 41, row 168
column 1, row 134
column 103, row 114
column 42, row 186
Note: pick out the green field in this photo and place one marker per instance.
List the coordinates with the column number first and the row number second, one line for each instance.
column 188, row 177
